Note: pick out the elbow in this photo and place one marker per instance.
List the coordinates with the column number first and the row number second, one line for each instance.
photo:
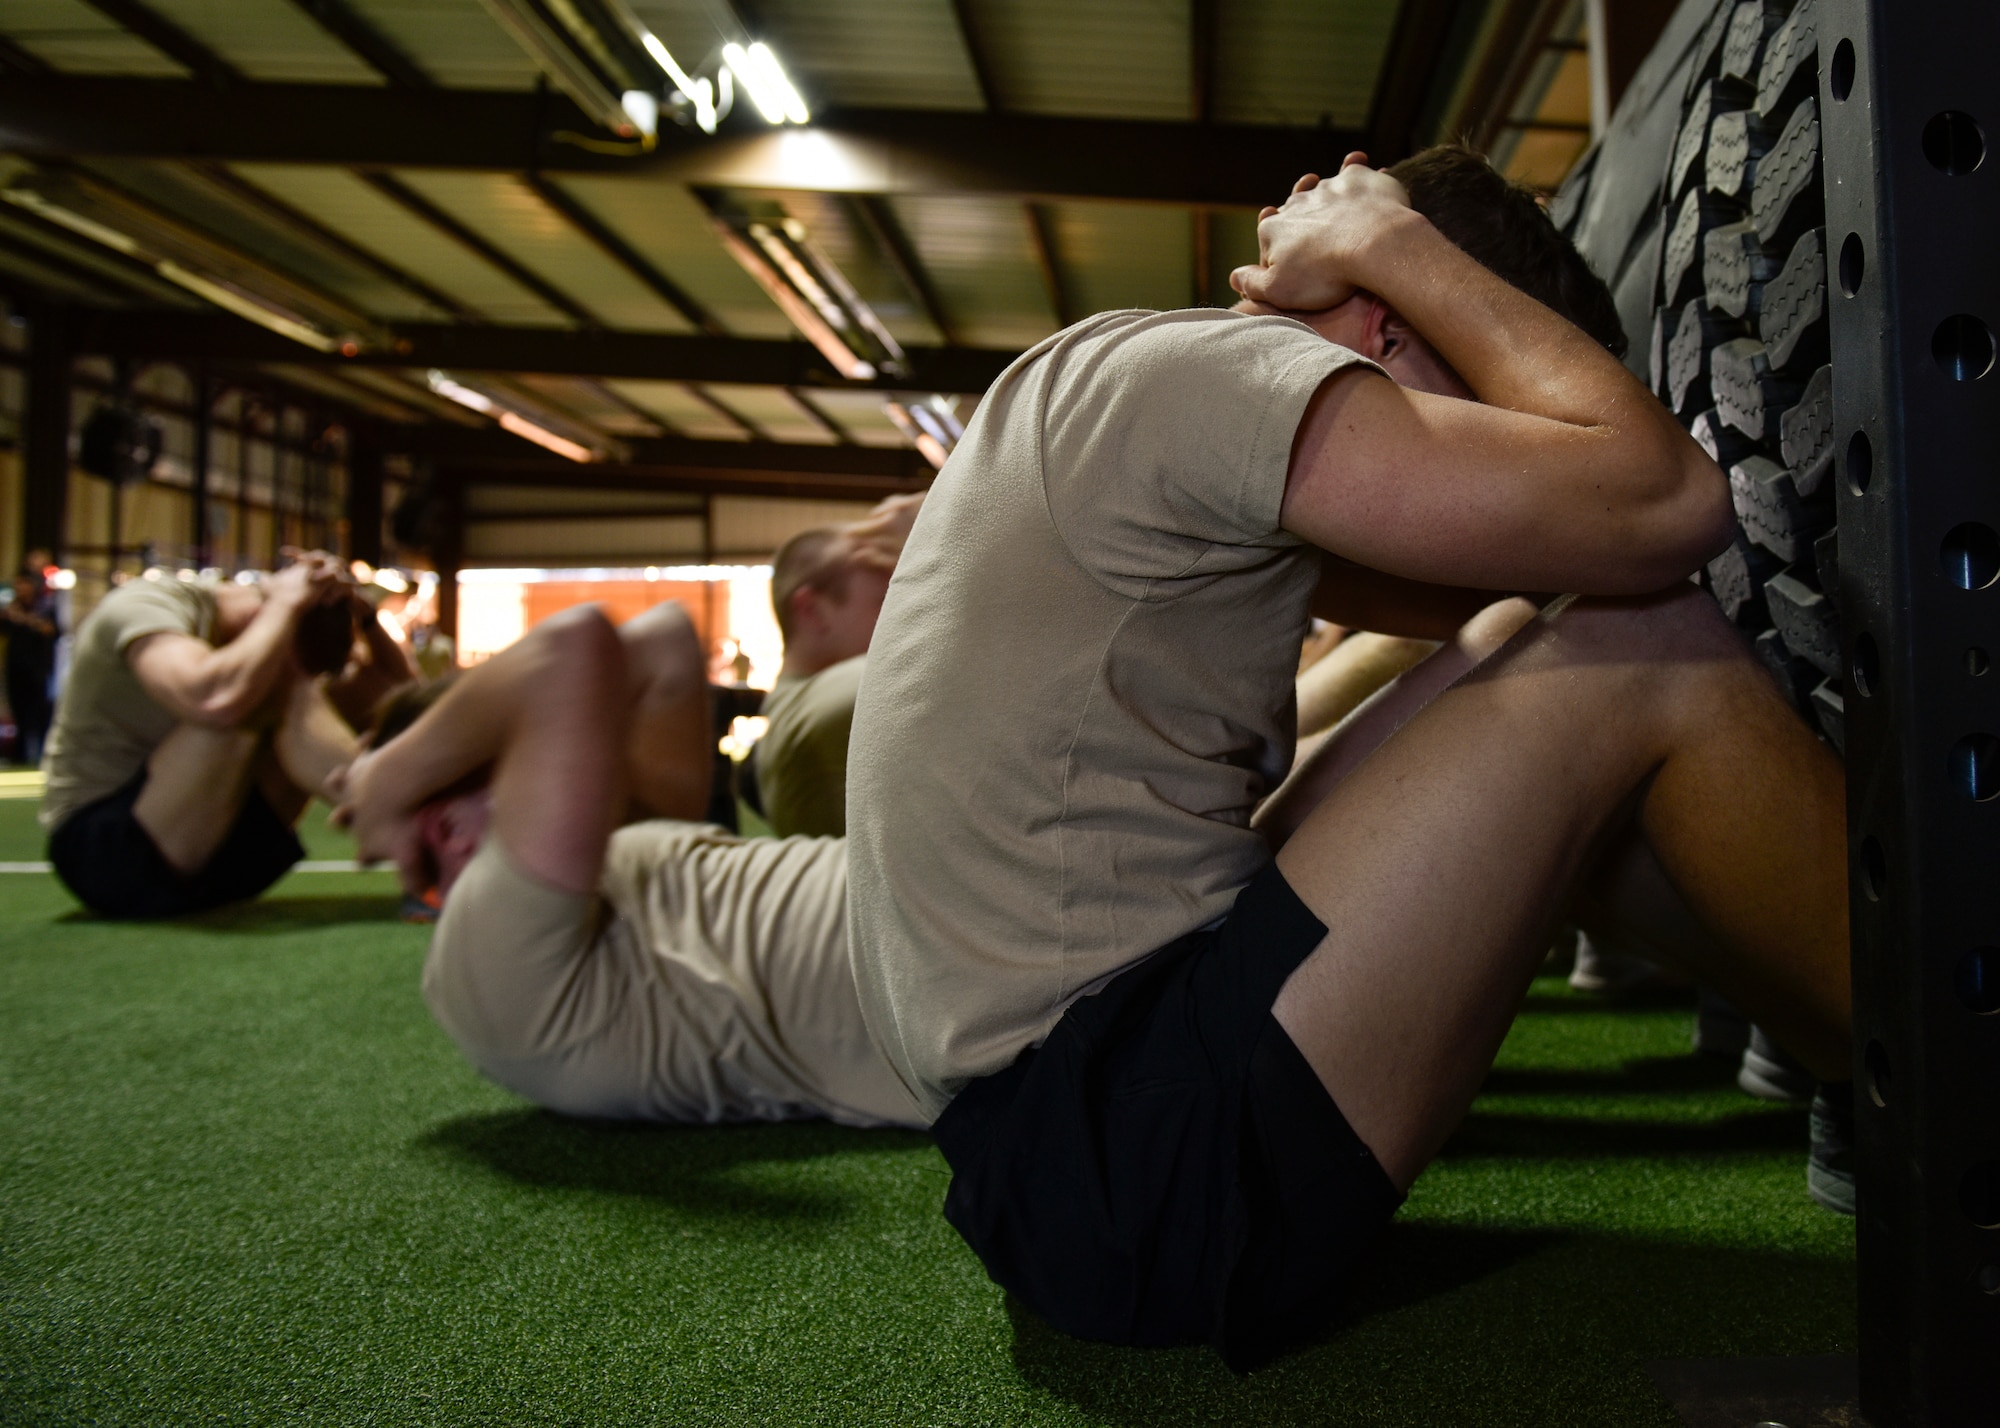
column 1693, row 525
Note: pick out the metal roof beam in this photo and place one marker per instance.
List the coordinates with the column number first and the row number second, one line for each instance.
column 623, row 254
column 340, row 20
column 851, row 151
column 401, row 194
column 638, row 356
column 170, row 39
column 1409, row 69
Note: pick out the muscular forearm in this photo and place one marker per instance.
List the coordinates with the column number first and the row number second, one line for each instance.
column 467, row 730
column 234, row 680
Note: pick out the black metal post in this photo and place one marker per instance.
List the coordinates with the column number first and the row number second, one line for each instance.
column 364, row 501
column 448, row 556
column 45, row 445
column 204, row 401
column 1910, row 99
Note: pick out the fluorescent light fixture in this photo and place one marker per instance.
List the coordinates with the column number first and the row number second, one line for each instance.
column 805, row 317
column 771, row 90
column 223, row 293
column 931, row 424
column 510, row 420
column 643, row 109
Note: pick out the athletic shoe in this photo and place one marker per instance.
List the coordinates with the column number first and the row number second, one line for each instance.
column 421, row 909
column 1605, row 971
column 1770, row 1074
column 1830, row 1166
column 1720, row 1031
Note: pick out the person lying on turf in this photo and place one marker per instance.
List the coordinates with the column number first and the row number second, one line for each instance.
column 827, row 585
column 195, row 727
column 660, row 970
column 1184, row 1067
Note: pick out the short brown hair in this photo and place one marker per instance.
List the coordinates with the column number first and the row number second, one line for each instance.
column 806, row 561
column 1502, row 225
column 403, row 706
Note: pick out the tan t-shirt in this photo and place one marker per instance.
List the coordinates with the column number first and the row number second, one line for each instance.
column 802, row 758
column 106, row 724
column 708, row 982
column 1081, row 684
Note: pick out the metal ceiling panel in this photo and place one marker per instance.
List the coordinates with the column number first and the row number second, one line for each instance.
column 682, row 411
column 1300, row 61
column 268, row 40
column 664, row 224
column 860, row 416
column 1116, row 59
column 508, row 214
column 455, row 42
column 184, row 192
column 643, row 540
column 978, row 254
column 342, row 202
column 590, row 402
column 73, row 37
column 1113, row 255
column 891, row 54
column 773, row 411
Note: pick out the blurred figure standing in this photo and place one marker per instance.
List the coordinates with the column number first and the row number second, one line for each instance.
column 33, row 627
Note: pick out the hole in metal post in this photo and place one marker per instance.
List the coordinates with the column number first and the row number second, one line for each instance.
column 1953, row 143
column 1840, row 75
column 1860, row 462
column 1976, row 661
column 1971, row 556
column 1976, row 979
column 1867, row 665
column 1853, row 264
column 1963, row 347
column 1979, row 1194
column 1874, row 870
column 1974, row 764
column 1877, row 1059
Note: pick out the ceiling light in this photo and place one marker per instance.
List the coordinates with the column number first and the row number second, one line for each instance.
column 224, row 294
column 510, row 420
column 805, row 317
column 771, row 90
column 643, row 109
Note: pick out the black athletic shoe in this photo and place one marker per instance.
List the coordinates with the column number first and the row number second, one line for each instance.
column 1830, row 1166
column 1770, row 1074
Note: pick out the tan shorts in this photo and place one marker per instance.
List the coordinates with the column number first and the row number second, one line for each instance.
column 709, row 984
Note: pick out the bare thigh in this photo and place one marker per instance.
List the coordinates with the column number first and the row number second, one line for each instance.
column 670, row 747
column 196, row 781
column 1442, row 861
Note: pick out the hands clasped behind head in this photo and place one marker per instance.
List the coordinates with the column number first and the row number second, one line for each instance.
column 1309, row 247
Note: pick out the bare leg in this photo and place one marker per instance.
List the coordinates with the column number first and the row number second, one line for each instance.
column 1443, row 861
column 1381, row 713
column 669, row 750
column 310, row 742
column 196, row 781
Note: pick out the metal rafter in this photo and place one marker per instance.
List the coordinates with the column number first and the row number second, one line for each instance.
column 812, row 409
column 1409, row 70
column 1043, row 243
column 170, row 39
column 875, row 215
column 975, row 53
column 879, row 150
column 623, row 254
column 340, row 20
column 254, row 197
column 415, row 203
column 15, row 60
column 722, row 408
column 644, row 356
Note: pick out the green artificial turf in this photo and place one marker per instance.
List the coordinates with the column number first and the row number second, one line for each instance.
column 243, row 1179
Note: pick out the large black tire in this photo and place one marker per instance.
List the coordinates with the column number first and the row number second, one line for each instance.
column 1703, row 210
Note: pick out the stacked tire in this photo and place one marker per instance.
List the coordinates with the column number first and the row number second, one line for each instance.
column 1736, row 338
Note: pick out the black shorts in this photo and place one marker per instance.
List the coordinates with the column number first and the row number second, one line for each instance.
column 1166, row 1168
column 110, row 863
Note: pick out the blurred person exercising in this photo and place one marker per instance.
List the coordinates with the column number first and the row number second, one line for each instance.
column 192, row 734
column 826, row 590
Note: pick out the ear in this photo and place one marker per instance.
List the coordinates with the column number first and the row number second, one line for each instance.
column 1383, row 331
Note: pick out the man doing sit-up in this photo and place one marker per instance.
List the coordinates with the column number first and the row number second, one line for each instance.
column 660, row 970
column 192, row 733
column 1185, row 1066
